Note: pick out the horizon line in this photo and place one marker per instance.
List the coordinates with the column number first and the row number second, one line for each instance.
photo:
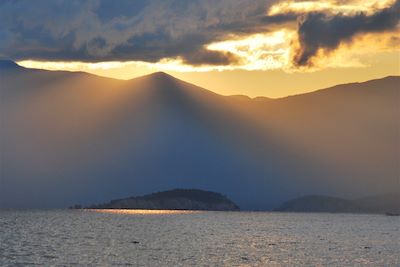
column 229, row 95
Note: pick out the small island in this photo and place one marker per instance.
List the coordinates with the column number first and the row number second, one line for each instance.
column 177, row 199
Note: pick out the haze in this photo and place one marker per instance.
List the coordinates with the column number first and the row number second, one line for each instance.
column 70, row 137
column 109, row 99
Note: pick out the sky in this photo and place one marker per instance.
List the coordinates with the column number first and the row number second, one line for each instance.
column 270, row 48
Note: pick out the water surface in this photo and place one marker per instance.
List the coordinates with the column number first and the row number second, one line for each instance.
column 176, row 238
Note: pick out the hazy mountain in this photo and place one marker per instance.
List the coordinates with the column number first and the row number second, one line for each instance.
column 68, row 137
column 387, row 203
column 177, row 199
column 381, row 203
column 315, row 203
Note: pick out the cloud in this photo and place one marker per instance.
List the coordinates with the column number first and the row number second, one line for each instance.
column 97, row 30
column 320, row 31
column 346, row 7
column 192, row 34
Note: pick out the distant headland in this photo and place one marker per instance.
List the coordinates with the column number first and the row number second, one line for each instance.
column 177, row 199
column 388, row 204
column 195, row 199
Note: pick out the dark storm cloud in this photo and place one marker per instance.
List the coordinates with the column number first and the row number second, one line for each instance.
column 322, row 31
column 124, row 30
column 100, row 30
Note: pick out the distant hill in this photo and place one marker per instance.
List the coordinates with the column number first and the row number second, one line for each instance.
column 177, row 199
column 388, row 203
column 72, row 136
column 319, row 204
column 380, row 203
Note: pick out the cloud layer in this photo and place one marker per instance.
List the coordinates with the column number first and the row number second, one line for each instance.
column 127, row 30
column 158, row 30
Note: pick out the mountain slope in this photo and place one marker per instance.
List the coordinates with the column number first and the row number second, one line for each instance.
column 69, row 137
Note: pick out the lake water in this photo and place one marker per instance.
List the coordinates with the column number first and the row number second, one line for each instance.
column 162, row 238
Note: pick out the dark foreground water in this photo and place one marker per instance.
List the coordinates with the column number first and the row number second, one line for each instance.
column 144, row 238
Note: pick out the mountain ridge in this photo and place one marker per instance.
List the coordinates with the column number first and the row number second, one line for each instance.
column 72, row 137
column 164, row 76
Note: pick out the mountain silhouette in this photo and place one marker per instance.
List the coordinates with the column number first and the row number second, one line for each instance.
column 177, row 199
column 75, row 137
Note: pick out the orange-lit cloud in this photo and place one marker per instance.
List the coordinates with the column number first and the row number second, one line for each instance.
column 361, row 52
column 324, row 26
column 289, row 35
column 271, row 51
column 259, row 51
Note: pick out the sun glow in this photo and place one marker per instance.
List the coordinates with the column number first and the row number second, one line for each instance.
column 262, row 51
column 255, row 52
column 142, row 212
column 73, row 65
column 259, row 51
column 360, row 53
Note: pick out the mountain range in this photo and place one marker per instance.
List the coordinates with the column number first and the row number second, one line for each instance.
column 71, row 137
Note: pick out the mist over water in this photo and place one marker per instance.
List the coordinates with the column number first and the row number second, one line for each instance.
column 140, row 238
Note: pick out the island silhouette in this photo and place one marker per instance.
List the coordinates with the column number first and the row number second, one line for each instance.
column 176, row 199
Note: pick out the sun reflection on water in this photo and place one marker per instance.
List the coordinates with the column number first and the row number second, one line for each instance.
column 143, row 212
